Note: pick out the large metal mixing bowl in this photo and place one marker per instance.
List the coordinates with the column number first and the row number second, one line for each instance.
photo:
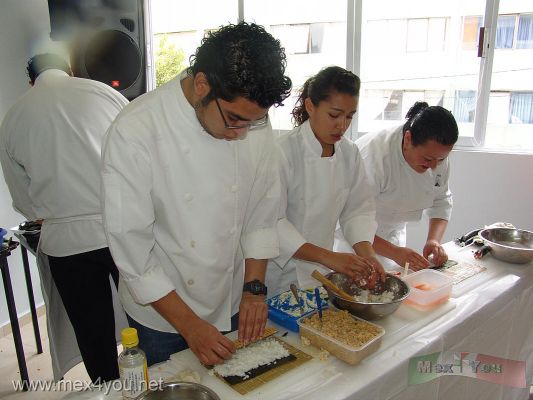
column 368, row 311
column 511, row 245
column 180, row 391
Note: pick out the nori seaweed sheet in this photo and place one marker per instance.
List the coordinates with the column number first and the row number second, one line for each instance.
column 234, row 379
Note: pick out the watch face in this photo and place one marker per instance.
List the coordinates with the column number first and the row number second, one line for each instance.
column 255, row 287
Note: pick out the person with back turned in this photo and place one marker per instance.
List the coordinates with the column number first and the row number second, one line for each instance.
column 50, row 147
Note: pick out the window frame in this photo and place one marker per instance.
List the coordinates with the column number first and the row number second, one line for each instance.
column 486, row 53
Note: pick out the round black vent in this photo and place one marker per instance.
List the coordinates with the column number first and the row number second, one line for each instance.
column 114, row 58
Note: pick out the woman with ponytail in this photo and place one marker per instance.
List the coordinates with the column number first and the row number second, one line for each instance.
column 408, row 168
column 323, row 181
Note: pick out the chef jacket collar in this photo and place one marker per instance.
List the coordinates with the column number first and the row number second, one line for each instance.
column 186, row 108
column 312, row 142
column 50, row 73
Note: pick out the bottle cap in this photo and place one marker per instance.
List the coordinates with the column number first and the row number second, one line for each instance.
column 129, row 337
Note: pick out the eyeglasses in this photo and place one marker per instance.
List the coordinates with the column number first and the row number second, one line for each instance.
column 245, row 124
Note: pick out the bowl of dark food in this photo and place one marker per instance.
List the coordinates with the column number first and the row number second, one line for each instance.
column 510, row 245
column 367, row 304
column 180, row 391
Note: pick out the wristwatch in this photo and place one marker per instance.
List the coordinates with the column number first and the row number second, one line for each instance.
column 255, row 287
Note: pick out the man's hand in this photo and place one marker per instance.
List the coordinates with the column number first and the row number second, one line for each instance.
column 207, row 343
column 434, row 248
column 253, row 314
column 376, row 273
column 349, row 264
column 407, row 255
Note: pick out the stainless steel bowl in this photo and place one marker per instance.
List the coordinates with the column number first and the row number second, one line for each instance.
column 368, row 311
column 511, row 245
column 180, row 391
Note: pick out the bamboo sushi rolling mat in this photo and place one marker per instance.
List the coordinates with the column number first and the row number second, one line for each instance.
column 253, row 383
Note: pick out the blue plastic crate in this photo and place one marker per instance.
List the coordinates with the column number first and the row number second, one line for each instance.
column 284, row 310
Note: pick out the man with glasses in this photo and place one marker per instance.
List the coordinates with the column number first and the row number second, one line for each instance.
column 191, row 191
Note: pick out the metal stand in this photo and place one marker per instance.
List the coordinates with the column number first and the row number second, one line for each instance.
column 29, row 288
column 4, row 253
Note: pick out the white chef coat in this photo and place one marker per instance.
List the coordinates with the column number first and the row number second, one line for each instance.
column 52, row 186
column 183, row 209
column 52, row 162
column 316, row 192
column 402, row 194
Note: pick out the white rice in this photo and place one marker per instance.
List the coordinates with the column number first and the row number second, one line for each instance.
column 367, row 297
column 263, row 352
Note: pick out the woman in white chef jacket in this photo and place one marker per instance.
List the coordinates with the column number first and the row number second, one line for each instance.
column 408, row 168
column 323, row 181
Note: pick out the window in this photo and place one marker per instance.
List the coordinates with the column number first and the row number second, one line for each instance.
column 411, row 35
column 436, row 34
column 313, row 33
column 464, row 106
column 178, row 31
column 316, row 36
column 403, row 51
column 505, row 31
column 393, row 108
column 510, row 100
column 295, row 38
column 525, row 32
column 387, row 35
column 471, row 26
column 521, row 108
column 393, row 105
column 417, row 35
column 419, row 58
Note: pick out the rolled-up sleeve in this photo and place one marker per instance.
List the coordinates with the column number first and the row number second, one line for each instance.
column 128, row 216
column 290, row 240
column 259, row 238
column 358, row 217
column 443, row 202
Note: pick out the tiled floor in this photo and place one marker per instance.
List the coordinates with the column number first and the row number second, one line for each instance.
column 39, row 365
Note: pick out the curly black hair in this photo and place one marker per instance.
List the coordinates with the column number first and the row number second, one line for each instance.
column 243, row 60
column 431, row 123
column 320, row 86
column 42, row 62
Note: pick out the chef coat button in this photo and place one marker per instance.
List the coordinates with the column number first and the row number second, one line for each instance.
column 193, row 243
column 186, row 150
column 233, row 230
column 190, row 282
column 188, row 196
column 234, row 188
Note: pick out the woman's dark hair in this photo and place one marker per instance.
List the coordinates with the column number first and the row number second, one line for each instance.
column 431, row 123
column 42, row 62
column 243, row 60
column 319, row 87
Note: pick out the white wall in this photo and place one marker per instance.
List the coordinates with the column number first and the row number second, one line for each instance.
column 487, row 187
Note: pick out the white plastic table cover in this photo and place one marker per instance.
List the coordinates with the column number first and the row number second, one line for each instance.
column 490, row 313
